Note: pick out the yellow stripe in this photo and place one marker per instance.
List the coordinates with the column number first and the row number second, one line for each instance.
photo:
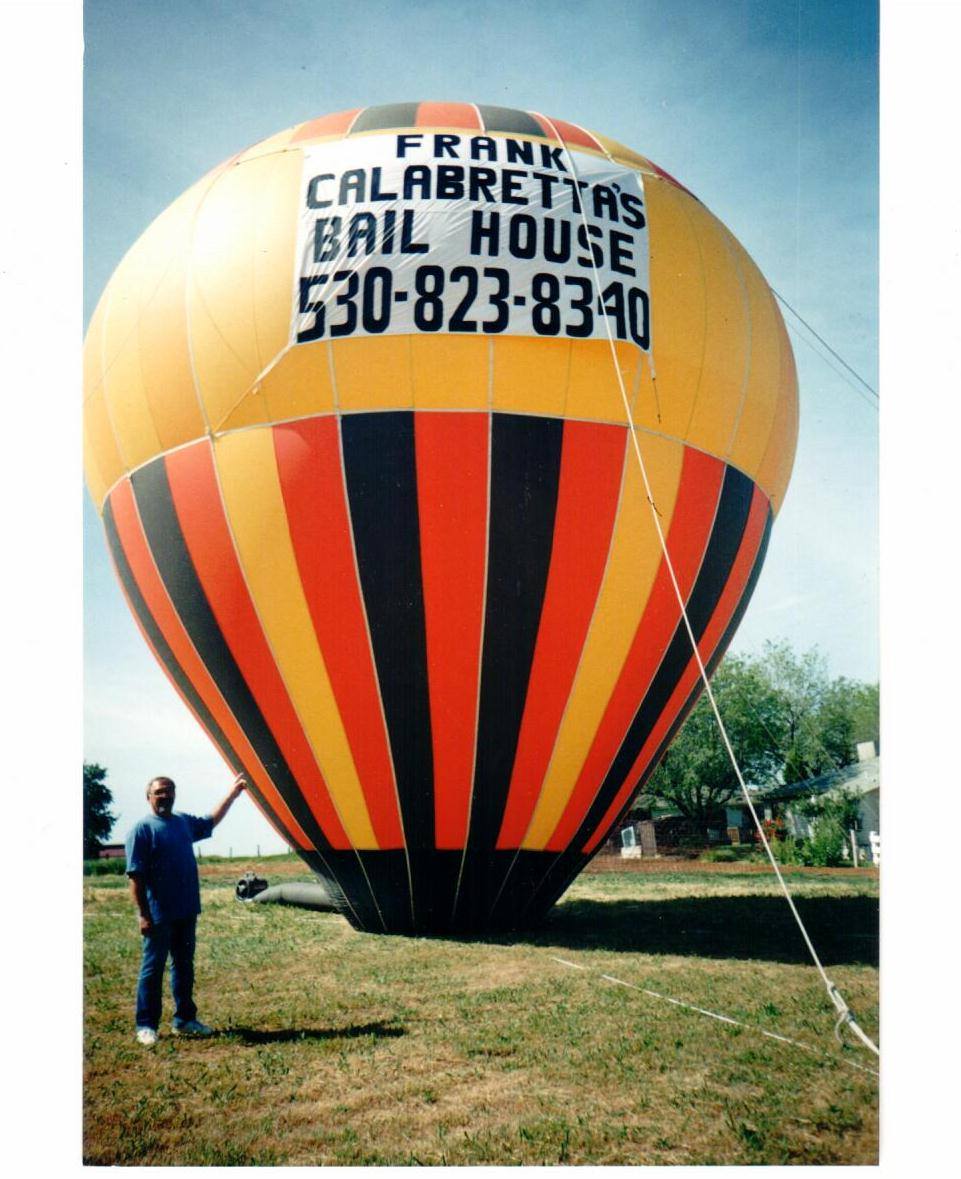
column 273, row 144
column 726, row 339
column 593, row 390
column 300, row 383
column 449, row 372
column 93, row 351
column 255, row 508
column 622, row 154
column 632, row 566
column 162, row 324
column 136, row 363
column 678, row 309
column 103, row 463
column 373, row 372
column 123, row 365
column 240, row 288
column 753, row 427
column 275, row 192
column 530, row 375
column 775, row 468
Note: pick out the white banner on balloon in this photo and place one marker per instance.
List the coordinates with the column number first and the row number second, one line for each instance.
column 438, row 232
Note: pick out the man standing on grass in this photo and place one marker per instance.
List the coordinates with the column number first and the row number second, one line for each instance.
column 166, row 890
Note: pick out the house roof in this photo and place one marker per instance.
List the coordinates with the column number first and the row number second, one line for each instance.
column 860, row 776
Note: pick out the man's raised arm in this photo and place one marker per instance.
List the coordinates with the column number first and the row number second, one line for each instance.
column 239, row 786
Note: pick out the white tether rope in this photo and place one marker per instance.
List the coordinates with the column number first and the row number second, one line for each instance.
column 609, row 978
column 845, row 1015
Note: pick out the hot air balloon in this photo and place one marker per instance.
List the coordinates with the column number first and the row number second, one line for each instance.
column 358, row 412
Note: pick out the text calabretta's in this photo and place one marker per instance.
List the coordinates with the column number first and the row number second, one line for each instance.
column 545, row 217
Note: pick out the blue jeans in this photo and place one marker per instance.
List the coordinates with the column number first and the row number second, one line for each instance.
column 178, row 939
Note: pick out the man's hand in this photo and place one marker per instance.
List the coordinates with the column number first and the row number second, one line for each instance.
column 138, row 890
column 239, row 786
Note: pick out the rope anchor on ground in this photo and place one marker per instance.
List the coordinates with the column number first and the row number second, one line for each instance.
column 846, row 1016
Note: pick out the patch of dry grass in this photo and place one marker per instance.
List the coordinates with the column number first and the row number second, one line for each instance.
column 346, row 1048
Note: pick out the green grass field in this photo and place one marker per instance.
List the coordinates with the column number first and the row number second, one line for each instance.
column 338, row 1047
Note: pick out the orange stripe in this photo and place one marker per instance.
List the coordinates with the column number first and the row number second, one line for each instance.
column 196, row 496
column 452, row 501
column 673, row 179
column 569, row 133
column 697, row 498
column 590, row 479
column 311, row 481
column 336, row 124
column 161, row 609
column 448, row 114
column 714, row 632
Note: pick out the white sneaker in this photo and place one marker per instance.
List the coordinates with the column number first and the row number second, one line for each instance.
column 147, row 1037
column 193, row 1028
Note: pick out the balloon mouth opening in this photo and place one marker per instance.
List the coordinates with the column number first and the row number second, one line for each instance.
column 443, row 894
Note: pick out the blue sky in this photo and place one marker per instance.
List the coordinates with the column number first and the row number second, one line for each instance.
column 767, row 109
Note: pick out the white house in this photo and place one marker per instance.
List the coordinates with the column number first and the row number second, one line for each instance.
column 862, row 777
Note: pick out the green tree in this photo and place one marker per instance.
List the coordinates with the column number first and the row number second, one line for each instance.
column 815, row 720
column 695, row 776
column 97, row 818
column 786, row 719
column 866, row 712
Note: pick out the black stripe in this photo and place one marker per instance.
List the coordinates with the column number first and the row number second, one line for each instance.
column 525, row 468
column 186, row 591
column 505, row 118
column 570, row 862
column 379, row 118
column 168, row 659
column 381, row 479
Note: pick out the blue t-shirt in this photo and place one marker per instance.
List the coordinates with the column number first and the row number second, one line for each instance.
column 160, row 850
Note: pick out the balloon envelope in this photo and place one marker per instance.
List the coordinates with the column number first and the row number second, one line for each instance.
column 359, row 438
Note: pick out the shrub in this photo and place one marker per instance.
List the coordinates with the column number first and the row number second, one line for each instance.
column 689, row 842
column 825, row 846
column 787, row 850
column 832, row 816
column 720, row 855
column 115, row 867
